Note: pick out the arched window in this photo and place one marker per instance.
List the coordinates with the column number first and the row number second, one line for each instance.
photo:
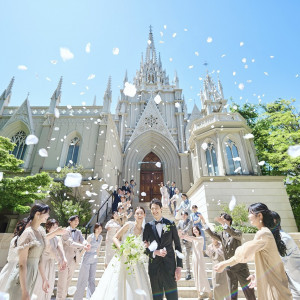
column 19, row 139
column 234, row 160
column 73, row 150
column 211, row 160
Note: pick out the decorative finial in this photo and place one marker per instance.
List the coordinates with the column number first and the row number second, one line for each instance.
column 150, row 29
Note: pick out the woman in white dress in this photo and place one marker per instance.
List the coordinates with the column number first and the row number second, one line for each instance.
column 164, row 195
column 112, row 226
column 118, row 283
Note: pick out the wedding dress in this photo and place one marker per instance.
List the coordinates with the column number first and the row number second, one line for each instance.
column 118, row 283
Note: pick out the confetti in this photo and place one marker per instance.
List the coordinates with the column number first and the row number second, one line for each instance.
column 241, row 86
column 58, row 169
column 53, row 62
column 31, row 140
column 158, row 164
column 143, row 194
column 174, row 34
column 88, row 48
column 232, row 203
column 261, row 163
column 223, row 55
column 92, row 76
column 266, row 73
column 241, row 44
column 209, row 39
column 248, row 136
column 244, row 60
column 204, row 146
column 191, row 67
column 197, row 53
column 104, row 186
column 157, row 99
column 177, row 104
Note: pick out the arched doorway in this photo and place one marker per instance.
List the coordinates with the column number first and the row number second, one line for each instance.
column 151, row 177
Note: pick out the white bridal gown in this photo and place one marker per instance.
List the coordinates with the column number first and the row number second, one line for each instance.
column 117, row 283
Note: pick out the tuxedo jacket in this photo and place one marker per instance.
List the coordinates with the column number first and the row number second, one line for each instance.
column 169, row 236
column 72, row 246
column 172, row 191
column 116, row 201
column 230, row 238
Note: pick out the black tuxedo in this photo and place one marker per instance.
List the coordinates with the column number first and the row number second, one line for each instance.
column 116, row 202
column 172, row 191
column 126, row 189
column 162, row 269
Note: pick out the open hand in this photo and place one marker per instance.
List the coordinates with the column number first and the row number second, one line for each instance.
column 161, row 252
column 219, row 268
column 252, row 283
column 177, row 274
column 46, row 286
column 61, row 231
column 87, row 247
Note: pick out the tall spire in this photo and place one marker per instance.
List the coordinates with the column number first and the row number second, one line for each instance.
column 95, row 101
column 150, row 52
column 57, row 92
column 108, row 87
column 7, row 91
column 55, row 99
column 107, row 97
column 125, row 78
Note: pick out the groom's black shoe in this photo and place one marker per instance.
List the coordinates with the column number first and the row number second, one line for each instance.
column 188, row 277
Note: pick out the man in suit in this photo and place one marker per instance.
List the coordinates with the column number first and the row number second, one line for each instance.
column 172, row 192
column 117, row 198
column 164, row 269
column 73, row 241
column 126, row 188
column 185, row 226
column 231, row 239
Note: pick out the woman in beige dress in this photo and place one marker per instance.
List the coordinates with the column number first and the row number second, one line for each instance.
column 53, row 252
column 112, row 227
column 164, row 195
column 219, row 280
column 198, row 264
column 30, row 247
column 264, row 249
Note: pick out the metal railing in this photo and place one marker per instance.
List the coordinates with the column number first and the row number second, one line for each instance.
column 97, row 213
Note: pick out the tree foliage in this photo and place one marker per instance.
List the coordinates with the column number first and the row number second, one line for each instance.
column 66, row 201
column 276, row 127
column 18, row 192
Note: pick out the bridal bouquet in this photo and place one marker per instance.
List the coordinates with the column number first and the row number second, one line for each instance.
column 132, row 251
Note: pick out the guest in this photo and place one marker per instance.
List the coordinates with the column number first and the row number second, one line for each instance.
column 271, row 280
column 173, row 200
column 291, row 261
column 164, row 195
column 123, row 214
column 185, row 205
column 132, row 186
column 53, row 252
column 126, row 187
column 73, row 242
column 12, row 257
column 201, row 281
column 112, row 226
column 231, row 239
column 196, row 218
column 30, row 247
column 185, row 227
column 117, row 198
column 88, row 266
column 219, row 280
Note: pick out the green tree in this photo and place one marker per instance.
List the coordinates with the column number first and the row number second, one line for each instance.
column 66, row 201
column 18, row 192
column 276, row 127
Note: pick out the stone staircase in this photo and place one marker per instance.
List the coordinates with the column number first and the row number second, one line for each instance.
column 186, row 288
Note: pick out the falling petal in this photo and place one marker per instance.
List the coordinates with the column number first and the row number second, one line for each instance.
column 174, row 34
column 244, row 60
column 248, row 136
column 170, row 59
column 48, row 79
column 234, row 107
column 223, row 55
column 129, row 90
column 191, row 67
column 71, row 290
column 294, row 151
column 43, row 152
column 177, row 104
column 157, row 99
column 158, row 164
column 204, row 146
column 104, row 186
column 209, row 39
column 53, row 62
column 31, row 140
column 236, row 159
column 140, row 292
column 266, row 73
column 88, row 48
column 88, row 193
column 58, row 169
column 232, row 203
column 241, row 44
column 116, row 51
column 22, row 68
column 272, row 56
column 241, row 86
column 56, row 112
column 73, row 180
column 92, row 76
column 165, row 26
column 1, row 176
column 66, row 54
column 143, row 194
column 234, row 73
column 261, row 163
column 197, row 53
column 69, row 106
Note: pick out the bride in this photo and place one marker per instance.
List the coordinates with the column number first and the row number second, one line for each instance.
column 117, row 283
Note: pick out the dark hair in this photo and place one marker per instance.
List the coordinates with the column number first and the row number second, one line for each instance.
column 268, row 221
column 194, row 206
column 39, row 207
column 140, row 207
column 197, row 229
column 277, row 219
column 126, row 181
column 184, row 195
column 72, row 218
column 20, row 227
column 184, row 213
column 113, row 213
column 227, row 217
column 50, row 223
column 131, row 180
column 97, row 225
column 173, row 182
column 156, row 202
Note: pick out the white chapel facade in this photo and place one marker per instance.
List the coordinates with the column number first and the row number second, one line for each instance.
column 203, row 151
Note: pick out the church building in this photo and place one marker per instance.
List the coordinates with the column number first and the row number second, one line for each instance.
column 151, row 138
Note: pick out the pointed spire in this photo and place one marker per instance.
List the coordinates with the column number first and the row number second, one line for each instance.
column 95, row 101
column 150, row 52
column 159, row 60
column 142, row 60
column 57, row 92
column 7, row 91
column 108, row 88
column 176, row 79
column 107, row 96
column 125, row 78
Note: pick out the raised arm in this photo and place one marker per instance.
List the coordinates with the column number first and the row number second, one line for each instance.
column 213, row 234
column 118, row 236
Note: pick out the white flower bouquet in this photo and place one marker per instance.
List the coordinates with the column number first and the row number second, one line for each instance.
column 132, row 251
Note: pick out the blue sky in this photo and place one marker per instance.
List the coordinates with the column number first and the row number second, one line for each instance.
column 32, row 33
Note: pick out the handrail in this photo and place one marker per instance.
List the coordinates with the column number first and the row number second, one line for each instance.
column 88, row 226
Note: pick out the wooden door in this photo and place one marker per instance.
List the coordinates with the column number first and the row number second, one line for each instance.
column 151, row 177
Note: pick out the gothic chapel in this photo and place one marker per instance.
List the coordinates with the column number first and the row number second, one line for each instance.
column 206, row 152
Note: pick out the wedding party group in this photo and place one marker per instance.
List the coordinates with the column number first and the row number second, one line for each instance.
column 144, row 261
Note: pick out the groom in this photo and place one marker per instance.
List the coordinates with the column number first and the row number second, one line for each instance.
column 164, row 271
